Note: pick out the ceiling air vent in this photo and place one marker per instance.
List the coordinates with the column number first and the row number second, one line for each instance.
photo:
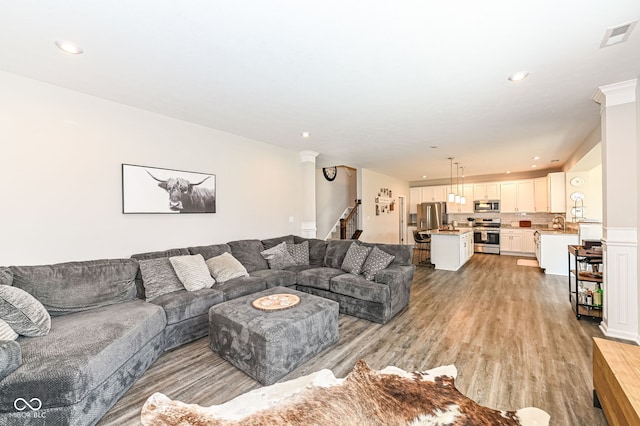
column 618, row 34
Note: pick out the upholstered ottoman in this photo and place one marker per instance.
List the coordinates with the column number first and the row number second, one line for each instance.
column 268, row 345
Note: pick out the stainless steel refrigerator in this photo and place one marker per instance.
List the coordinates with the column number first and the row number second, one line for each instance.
column 431, row 216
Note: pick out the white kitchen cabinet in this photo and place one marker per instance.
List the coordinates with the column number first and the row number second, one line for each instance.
column 528, row 241
column 486, row 191
column 434, row 193
column 541, row 194
column 451, row 250
column 557, row 190
column 510, row 241
column 415, row 198
column 463, row 208
column 517, row 197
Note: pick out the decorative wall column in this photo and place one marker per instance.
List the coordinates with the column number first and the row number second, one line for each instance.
column 308, row 225
column 620, row 161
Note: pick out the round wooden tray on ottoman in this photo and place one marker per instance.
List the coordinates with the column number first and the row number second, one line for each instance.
column 276, row 302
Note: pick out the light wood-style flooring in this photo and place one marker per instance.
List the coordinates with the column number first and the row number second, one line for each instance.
column 508, row 329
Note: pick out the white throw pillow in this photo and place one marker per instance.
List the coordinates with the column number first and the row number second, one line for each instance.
column 192, row 272
column 225, row 267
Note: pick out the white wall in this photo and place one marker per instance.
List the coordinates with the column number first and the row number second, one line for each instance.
column 60, row 167
column 384, row 228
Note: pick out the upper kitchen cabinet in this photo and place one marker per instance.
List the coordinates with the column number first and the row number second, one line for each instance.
column 415, row 198
column 432, row 194
column 557, row 191
column 486, row 191
column 467, row 191
column 541, row 193
column 517, row 197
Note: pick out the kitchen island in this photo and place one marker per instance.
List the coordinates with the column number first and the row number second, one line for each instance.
column 451, row 249
column 551, row 248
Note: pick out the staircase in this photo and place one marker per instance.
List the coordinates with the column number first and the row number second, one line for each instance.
column 347, row 226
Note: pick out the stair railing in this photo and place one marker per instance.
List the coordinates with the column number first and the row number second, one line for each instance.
column 349, row 225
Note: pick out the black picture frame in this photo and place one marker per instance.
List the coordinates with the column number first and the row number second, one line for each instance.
column 155, row 190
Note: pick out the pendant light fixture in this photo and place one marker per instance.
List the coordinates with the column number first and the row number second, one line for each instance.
column 457, row 198
column 463, row 200
column 451, row 196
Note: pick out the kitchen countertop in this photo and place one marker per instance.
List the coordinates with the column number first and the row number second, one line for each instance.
column 457, row 231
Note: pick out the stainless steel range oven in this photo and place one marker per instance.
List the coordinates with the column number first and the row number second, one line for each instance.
column 486, row 236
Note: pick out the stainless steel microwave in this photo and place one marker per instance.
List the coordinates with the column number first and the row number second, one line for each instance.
column 486, row 206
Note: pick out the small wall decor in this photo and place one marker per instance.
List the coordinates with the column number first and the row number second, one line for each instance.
column 384, row 201
column 157, row 190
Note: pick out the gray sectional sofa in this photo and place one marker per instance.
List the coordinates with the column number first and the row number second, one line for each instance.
column 104, row 335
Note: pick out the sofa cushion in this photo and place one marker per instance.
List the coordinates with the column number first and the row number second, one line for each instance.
column 225, row 267
column 402, row 252
column 335, row 253
column 360, row 288
column 192, row 272
column 242, row 286
column 155, row 255
column 23, row 312
column 355, row 258
column 6, row 332
column 210, row 251
column 272, row 242
column 318, row 277
column 275, row 278
column 248, row 253
column 376, row 262
column 183, row 304
column 317, row 249
column 10, row 357
column 278, row 257
column 299, row 252
column 64, row 288
column 158, row 277
column 6, row 276
column 82, row 351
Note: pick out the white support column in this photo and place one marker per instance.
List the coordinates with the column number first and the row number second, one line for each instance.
column 620, row 160
column 308, row 225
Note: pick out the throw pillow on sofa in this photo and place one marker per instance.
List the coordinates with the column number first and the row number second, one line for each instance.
column 6, row 332
column 158, row 277
column 299, row 252
column 6, row 276
column 23, row 312
column 376, row 262
column 192, row 272
column 355, row 258
column 278, row 257
column 225, row 267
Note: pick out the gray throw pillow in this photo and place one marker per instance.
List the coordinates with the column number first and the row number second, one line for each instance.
column 354, row 259
column 23, row 312
column 6, row 276
column 376, row 262
column 6, row 332
column 192, row 272
column 299, row 252
column 225, row 267
column 278, row 257
column 158, row 277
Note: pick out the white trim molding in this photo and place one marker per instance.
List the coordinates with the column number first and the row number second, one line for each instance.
column 308, row 156
column 308, row 229
column 616, row 94
column 620, row 316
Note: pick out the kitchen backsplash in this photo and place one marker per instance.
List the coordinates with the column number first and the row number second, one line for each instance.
column 505, row 218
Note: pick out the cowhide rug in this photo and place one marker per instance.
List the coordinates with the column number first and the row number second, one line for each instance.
column 365, row 397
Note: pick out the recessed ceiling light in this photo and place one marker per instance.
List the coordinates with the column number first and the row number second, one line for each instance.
column 305, row 134
column 508, row 171
column 69, row 47
column 424, row 177
column 534, row 166
column 519, row 76
column 535, row 158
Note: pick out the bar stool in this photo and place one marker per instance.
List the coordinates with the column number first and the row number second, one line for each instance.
column 423, row 244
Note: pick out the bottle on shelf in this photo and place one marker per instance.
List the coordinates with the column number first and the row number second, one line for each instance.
column 582, row 293
column 589, row 298
column 597, row 295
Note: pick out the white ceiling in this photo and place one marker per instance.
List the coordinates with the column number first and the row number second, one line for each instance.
column 377, row 83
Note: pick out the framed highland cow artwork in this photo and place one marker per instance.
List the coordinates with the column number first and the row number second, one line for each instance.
column 156, row 190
